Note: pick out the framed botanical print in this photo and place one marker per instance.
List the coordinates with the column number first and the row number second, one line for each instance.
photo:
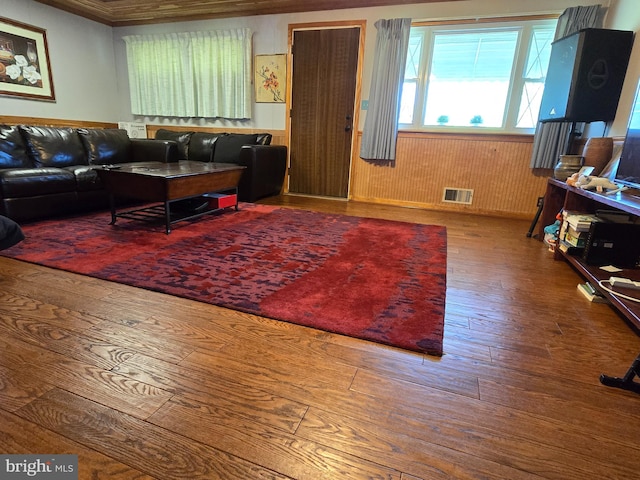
column 24, row 61
column 270, row 78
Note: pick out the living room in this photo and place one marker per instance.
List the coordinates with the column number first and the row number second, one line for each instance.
column 88, row 61
column 195, row 391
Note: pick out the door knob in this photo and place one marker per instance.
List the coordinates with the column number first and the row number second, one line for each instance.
column 349, row 123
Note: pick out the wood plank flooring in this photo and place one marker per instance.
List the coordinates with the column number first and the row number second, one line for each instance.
column 143, row 385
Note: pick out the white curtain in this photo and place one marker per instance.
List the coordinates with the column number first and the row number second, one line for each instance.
column 552, row 138
column 381, row 124
column 192, row 74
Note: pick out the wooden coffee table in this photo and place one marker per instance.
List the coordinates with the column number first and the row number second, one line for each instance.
column 165, row 184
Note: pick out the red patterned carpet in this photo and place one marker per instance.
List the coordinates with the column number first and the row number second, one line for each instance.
column 378, row 280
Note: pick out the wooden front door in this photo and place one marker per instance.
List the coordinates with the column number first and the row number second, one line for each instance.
column 325, row 65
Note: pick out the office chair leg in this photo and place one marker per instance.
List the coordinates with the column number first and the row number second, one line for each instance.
column 537, row 217
column 626, row 382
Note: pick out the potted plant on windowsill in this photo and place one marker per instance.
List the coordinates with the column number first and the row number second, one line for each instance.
column 476, row 120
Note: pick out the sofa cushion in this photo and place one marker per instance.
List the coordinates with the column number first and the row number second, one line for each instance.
column 13, row 151
column 181, row 138
column 203, row 145
column 29, row 182
column 228, row 146
column 105, row 146
column 53, row 146
column 87, row 179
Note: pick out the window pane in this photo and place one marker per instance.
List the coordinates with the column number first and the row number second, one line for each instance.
column 411, row 73
column 539, row 52
column 407, row 102
column 530, row 104
column 470, row 77
column 534, row 75
column 414, row 52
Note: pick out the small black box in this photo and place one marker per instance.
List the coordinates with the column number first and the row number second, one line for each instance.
column 611, row 243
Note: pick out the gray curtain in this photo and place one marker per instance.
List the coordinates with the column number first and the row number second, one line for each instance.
column 552, row 138
column 381, row 124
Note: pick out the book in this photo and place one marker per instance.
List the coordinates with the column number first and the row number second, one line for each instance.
column 575, row 233
column 569, row 249
column 576, row 241
column 591, row 294
column 580, row 222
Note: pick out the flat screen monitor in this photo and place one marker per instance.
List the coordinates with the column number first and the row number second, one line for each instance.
column 628, row 172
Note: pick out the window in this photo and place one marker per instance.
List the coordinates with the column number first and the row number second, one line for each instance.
column 486, row 75
column 191, row 74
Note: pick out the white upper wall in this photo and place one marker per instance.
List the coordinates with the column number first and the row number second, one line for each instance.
column 271, row 31
column 625, row 15
column 89, row 63
column 82, row 64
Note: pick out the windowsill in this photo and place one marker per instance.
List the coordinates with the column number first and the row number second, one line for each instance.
column 466, row 134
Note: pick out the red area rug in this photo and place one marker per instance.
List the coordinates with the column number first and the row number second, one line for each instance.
column 378, row 280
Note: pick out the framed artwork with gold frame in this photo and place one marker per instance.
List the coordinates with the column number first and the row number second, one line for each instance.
column 25, row 70
column 270, row 78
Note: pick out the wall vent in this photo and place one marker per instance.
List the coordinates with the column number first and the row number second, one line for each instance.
column 458, row 195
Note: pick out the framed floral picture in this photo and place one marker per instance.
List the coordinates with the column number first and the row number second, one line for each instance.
column 270, row 78
column 24, row 61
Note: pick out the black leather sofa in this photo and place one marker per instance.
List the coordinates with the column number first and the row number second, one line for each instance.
column 51, row 171
column 265, row 163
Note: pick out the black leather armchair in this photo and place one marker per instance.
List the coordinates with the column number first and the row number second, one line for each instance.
column 266, row 164
column 264, row 176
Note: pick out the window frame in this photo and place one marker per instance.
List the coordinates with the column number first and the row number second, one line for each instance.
column 523, row 24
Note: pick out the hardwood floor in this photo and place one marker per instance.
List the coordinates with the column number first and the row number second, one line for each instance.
column 143, row 385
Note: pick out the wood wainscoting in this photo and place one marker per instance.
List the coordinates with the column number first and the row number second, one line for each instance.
column 495, row 167
column 54, row 122
column 279, row 137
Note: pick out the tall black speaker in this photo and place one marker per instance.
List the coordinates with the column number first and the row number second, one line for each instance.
column 585, row 76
